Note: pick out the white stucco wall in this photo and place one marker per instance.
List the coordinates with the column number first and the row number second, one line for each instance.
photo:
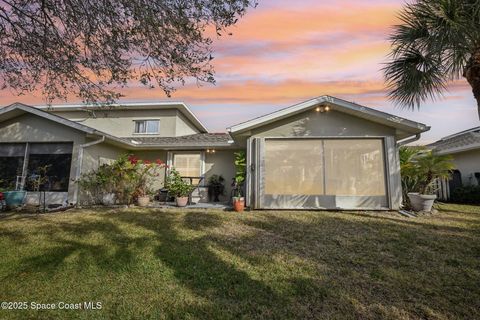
column 468, row 163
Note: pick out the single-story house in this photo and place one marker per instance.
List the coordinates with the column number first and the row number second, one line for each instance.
column 464, row 147
column 324, row 153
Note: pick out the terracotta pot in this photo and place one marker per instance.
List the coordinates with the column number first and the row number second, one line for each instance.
column 421, row 202
column 181, row 201
column 239, row 204
column 143, row 201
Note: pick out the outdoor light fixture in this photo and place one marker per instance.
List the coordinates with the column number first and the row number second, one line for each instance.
column 210, row 150
column 322, row 109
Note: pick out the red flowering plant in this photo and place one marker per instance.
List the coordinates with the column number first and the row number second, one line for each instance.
column 143, row 175
column 134, row 177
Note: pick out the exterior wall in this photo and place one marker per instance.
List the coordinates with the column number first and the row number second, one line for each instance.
column 31, row 128
column 468, row 163
column 328, row 124
column 313, row 123
column 183, row 127
column 121, row 123
column 222, row 163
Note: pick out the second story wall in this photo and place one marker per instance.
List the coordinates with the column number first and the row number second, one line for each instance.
column 121, row 123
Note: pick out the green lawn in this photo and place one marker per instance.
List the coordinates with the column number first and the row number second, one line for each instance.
column 156, row 264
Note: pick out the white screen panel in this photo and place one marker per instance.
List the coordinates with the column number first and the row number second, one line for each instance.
column 354, row 167
column 294, row 167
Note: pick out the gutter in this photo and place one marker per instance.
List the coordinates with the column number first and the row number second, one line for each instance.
column 409, row 140
column 80, row 163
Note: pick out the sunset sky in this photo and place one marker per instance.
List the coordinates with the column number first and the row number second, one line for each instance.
column 284, row 52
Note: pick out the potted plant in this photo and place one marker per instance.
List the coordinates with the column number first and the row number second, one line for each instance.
column 238, row 199
column 143, row 175
column 215, row 187
column 178, row 188
column 421, row 170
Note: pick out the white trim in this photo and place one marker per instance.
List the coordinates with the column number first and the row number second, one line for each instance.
column 335, row 104
column 453, row 135
column 459, row 149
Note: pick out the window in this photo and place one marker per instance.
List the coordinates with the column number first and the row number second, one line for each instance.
column 51, row 160
column 188, row 164
column 11, row 164
column 147, row 126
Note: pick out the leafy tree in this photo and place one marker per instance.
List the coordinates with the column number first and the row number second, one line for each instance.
column 437, row 41
column 93, row 48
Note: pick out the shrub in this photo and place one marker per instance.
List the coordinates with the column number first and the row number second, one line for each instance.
column 420, row 168
column 127, row 177
column 177, row 187
column 466, row 195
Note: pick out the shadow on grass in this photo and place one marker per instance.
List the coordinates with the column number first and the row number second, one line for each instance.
column 276, row 265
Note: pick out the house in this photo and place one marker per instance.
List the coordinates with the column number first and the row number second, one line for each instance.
column 323, row 153
column 464, row 147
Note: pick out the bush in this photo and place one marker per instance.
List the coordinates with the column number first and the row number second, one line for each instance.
column 127, row 177
column 466, row 195
column 177, row 187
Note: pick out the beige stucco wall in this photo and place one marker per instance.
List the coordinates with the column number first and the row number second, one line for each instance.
column 468, row 163
column 121, row 123
column 222, row 163
column 31, row 128
column 184, row 127
column 313, row 123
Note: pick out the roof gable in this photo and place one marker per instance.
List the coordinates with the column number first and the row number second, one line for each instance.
column 404, row 126
column 16, row 109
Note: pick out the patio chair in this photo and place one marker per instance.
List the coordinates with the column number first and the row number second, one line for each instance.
column 198, row 181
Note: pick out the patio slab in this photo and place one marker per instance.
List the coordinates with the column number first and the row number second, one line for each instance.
column 206, row 205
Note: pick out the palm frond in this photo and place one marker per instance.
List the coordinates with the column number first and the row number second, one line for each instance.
column 413, row 77
column 430, row 47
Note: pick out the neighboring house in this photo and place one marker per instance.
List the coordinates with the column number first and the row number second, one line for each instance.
column 464, row 147
column 323, row 153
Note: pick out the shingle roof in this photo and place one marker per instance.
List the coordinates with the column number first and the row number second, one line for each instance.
column 193, row 140
column 462, row 141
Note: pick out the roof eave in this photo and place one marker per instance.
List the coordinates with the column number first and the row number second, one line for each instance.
column 352, row 108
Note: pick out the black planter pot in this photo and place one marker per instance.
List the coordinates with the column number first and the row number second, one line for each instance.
column 214, row 191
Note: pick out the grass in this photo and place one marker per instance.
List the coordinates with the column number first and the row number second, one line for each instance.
column 170, row 264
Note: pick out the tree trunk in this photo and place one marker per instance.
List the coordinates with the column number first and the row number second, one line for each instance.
column 472, row 74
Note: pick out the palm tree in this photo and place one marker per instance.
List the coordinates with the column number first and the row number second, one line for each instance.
column 437, row 42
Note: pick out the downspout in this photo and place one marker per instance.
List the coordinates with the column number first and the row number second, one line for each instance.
column 78, row 172
column 409, row 140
